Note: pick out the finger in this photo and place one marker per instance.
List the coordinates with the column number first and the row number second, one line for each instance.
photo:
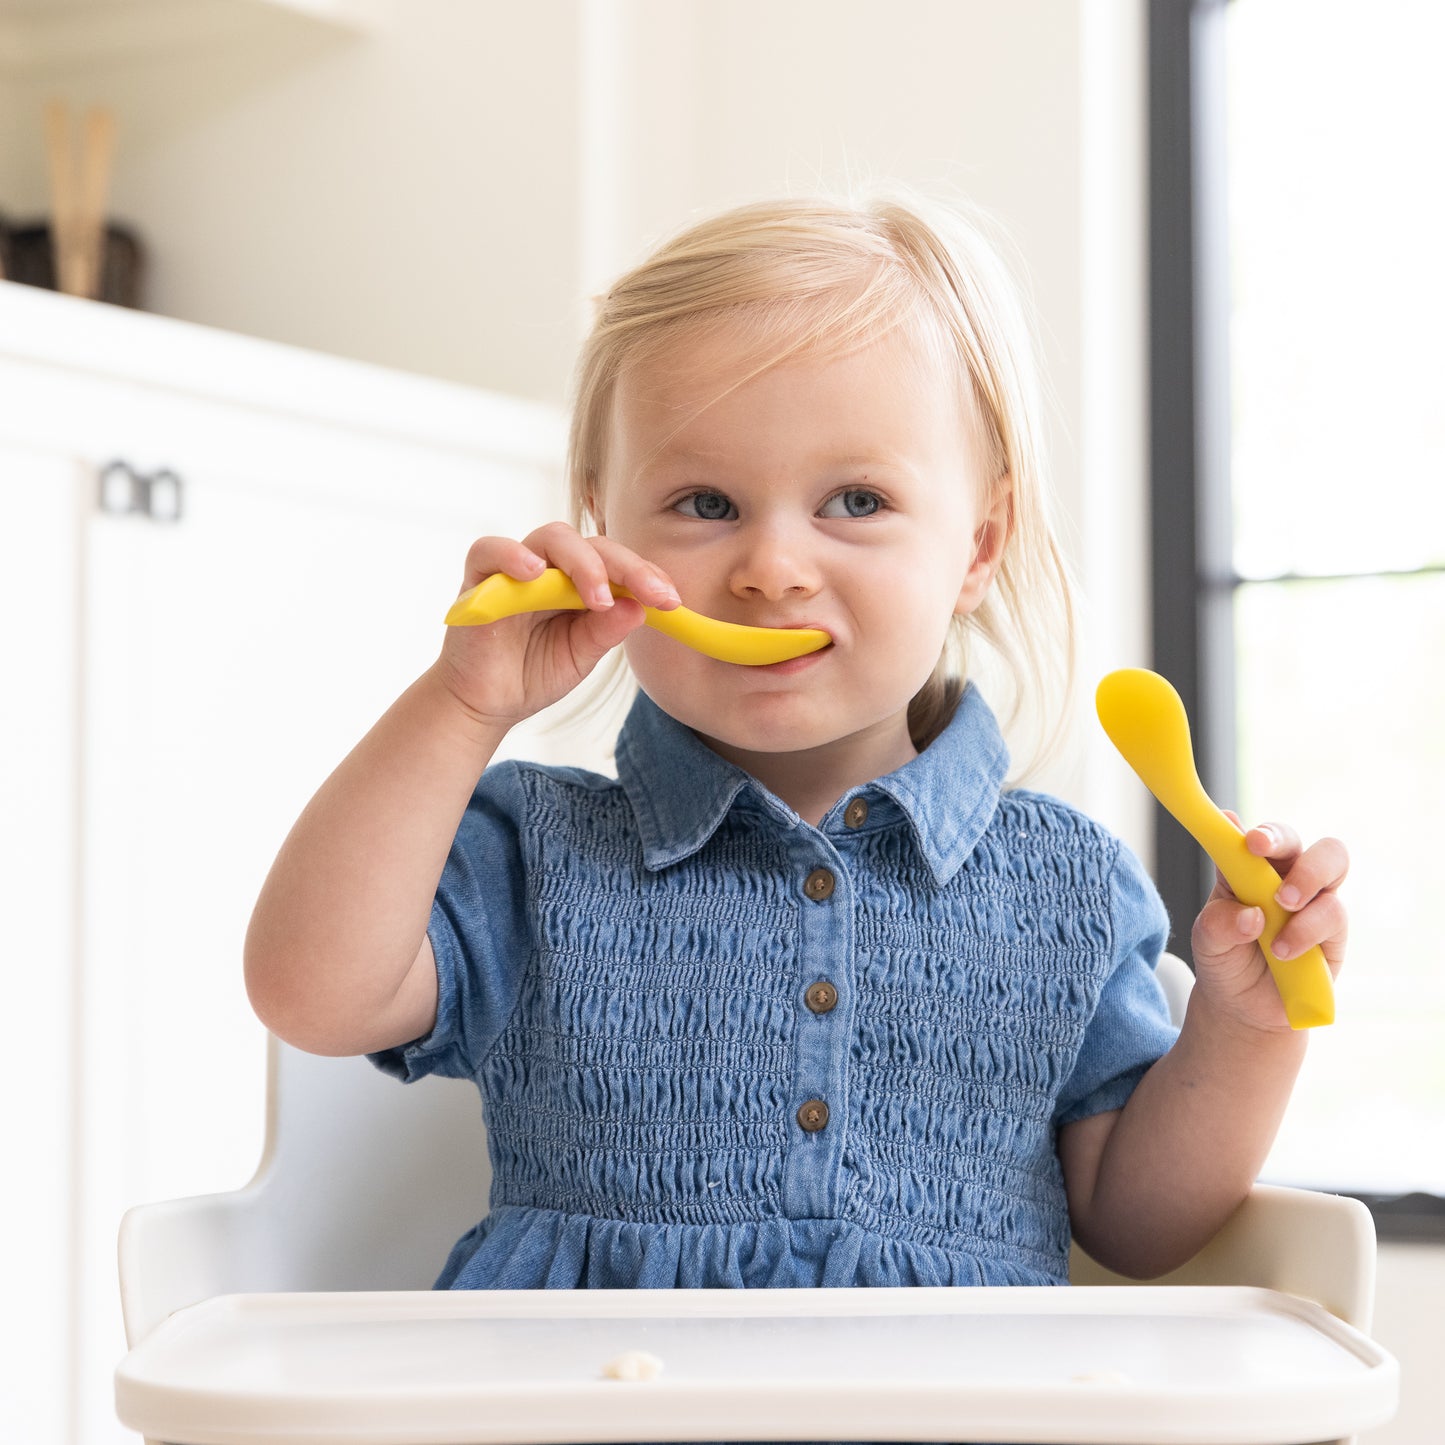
column 1321, row 868
column 597, row 564
column 1276, row 841
column 567, row 549
column 1225, row 934
column 489, row 555
column 1323, row 922
column 594, row 634
column 645, row 580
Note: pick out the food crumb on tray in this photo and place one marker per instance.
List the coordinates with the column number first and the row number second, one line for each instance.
column 632, row 1365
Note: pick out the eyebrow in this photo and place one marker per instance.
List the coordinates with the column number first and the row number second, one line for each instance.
column 673, row 456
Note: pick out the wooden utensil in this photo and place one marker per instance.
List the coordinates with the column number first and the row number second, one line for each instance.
column 79, row 186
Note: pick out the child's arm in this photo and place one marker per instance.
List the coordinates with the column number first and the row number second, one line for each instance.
column 1151, row 1183
column 337, row 957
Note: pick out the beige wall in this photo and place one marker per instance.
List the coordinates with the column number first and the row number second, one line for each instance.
column 1407, row 1323
column 408, row 197
column 415, row 196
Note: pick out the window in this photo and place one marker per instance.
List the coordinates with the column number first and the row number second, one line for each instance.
column 1297, row 305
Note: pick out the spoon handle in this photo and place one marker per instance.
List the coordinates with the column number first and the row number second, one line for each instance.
column 500, row 596
column 1304, row 983
column 1145, row 720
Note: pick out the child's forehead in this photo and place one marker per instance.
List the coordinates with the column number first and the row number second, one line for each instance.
column 880, row 403
column 699, row 364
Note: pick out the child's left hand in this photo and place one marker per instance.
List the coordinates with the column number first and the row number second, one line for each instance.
column 1227, row 961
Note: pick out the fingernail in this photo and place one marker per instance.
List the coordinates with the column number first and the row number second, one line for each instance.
column 1251, row 920
column 1287, row 897
column 1281, row 950
column 662, row 588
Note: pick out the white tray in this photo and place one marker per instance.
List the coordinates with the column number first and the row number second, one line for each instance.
column 1157, row 1366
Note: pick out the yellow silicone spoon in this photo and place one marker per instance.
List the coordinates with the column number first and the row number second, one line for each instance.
column 501, row 596
column 1145, row 720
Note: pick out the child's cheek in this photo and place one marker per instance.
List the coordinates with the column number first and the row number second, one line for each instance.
column 653, row 659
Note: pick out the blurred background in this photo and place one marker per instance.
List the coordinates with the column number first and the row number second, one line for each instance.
column 347, row 248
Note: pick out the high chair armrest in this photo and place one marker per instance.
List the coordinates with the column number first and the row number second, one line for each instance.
column 1318, row 1246
column 178, row 1251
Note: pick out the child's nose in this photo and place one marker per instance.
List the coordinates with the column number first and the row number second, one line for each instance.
column 775, row 563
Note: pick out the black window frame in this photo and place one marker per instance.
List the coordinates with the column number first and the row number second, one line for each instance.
column 1192, row 579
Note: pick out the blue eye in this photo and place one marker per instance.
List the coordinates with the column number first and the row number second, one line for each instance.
column 708, row 507
column 853, row 503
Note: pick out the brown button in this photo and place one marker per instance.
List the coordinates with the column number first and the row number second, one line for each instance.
column 821, row 997
column 819, row 885
column 813, row 1115
column 856, row 813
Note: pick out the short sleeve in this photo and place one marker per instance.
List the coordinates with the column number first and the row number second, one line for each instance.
column 1130, row 1028
column 479, row 932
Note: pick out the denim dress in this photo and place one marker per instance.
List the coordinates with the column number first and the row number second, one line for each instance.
column 719, row 1047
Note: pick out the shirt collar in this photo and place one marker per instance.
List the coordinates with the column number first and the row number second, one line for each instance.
column 949, row 792
column 680, row 790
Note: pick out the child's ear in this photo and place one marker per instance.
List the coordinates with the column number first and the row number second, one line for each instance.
column 989, row 543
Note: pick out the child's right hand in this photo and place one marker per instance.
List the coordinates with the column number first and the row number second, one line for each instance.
column 506, row 671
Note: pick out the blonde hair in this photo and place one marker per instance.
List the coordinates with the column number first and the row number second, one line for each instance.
column 817, row 275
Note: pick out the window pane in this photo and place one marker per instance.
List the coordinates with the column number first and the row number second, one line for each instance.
column 1341, row 719
column 1337, row 229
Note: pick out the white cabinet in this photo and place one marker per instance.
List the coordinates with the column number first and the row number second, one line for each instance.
column 174, row 690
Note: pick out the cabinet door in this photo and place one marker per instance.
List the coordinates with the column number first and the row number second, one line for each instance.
column 230, row 660
column 37, row 880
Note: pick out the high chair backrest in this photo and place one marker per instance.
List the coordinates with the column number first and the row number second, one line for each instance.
column 364, row 1184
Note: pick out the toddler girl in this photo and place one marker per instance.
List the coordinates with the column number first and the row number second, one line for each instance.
column 806, row 995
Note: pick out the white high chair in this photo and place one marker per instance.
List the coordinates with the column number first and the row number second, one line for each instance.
column 300, row 1307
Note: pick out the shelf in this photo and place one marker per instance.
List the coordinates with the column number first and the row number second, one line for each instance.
column 43, row 331
column 41, row 38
